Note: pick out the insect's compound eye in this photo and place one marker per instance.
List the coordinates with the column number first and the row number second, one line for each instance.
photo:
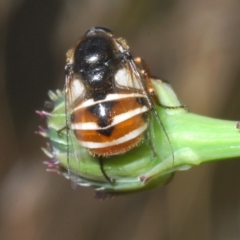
column 98, row 29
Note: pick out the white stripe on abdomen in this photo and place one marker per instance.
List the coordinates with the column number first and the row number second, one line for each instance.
column 125, row 138
column 109, row 97
column 116, row 120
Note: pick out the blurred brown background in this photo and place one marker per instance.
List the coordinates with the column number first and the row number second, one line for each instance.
column 193, row 44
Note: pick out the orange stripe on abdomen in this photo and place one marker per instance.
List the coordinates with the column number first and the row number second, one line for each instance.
column 113, row 138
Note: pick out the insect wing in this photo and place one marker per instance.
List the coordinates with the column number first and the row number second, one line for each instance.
column 74, row 90
column 137, row 79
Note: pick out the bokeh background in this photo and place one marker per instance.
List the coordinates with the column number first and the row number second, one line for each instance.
column 193, row 44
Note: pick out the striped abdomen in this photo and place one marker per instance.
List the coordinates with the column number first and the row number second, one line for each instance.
column 111, row 126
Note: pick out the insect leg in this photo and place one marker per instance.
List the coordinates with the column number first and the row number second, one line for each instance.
column 111, row 180
column 151, row 145
column 173, row 107
column 59, row 132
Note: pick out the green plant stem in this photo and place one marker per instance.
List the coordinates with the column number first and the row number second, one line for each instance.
column 191, row 140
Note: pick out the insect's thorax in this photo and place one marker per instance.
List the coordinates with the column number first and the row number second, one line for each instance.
column 96, row 60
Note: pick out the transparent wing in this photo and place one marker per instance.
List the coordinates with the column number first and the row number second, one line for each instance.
column 134, row 76
column 76, row 154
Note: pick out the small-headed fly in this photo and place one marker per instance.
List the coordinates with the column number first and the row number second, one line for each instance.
column 109, row 96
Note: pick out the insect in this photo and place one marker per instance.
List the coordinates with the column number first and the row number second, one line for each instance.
column 108, row 96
